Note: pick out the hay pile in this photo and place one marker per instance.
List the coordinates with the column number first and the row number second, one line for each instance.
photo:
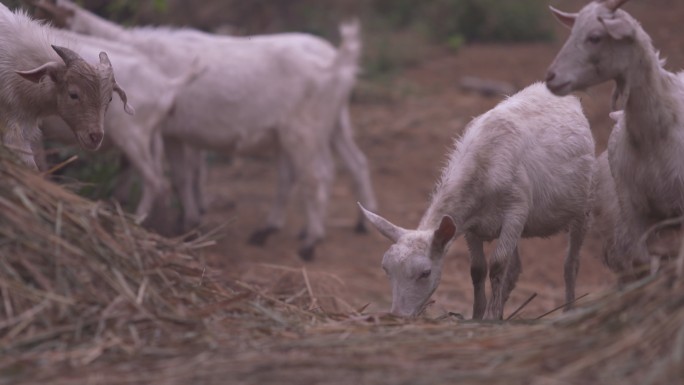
column 78, row 279
column 633, row 336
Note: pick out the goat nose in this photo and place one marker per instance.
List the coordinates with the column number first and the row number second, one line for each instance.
column 550, row 76
column 96, row 137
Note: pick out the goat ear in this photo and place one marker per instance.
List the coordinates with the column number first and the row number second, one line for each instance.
column 385, row 227
column 444, row 234
column 567, row 19
column 618, row 28
column 122, row 94
column 104, row 60
column 51, row 69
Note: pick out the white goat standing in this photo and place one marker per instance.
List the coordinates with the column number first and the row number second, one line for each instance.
column 646, row 147
column 37, row 80
column 523, row 169
column 295, row 86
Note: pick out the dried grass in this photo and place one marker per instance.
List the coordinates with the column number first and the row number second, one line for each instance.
column 78, row 279
column 92, row 298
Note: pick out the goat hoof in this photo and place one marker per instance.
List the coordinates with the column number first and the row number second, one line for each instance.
column 307, row 253
column 260, row 237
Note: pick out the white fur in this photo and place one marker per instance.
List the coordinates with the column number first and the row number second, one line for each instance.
column 646, row 147
column 523, row 169
column 292, row 85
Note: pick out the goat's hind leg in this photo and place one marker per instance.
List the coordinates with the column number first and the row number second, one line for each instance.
column 356, row 163
column 572, row 261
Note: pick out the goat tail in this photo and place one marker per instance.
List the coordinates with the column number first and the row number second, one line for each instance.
column 349, row 51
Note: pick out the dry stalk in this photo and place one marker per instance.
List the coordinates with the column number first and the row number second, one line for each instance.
column 561, row 306
column 510, row 317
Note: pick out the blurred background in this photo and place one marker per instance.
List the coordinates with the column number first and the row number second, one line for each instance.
column 399, row 32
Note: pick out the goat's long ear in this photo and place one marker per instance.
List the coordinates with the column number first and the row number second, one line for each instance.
column 122, row 94
column 51, row 69
column 443, row 235
column 104, row 60
column 618, row 28
column 385, row 227
column 565, row 18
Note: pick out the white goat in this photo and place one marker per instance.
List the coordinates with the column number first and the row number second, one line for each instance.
column 295, row 86
column 646, row 148
column 37, row 81
column 138, row 137
column 523, row 169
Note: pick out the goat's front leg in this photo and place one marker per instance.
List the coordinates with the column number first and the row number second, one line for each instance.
column 478, row 273
column 184, row 165
column 156, row 190
column 513, row 271
column 14, row 140
column 316, row 194
column 499, row 274
column 276, row 218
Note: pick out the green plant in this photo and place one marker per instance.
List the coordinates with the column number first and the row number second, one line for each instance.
column 489, row 20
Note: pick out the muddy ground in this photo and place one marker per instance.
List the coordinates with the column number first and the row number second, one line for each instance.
column 405, row 127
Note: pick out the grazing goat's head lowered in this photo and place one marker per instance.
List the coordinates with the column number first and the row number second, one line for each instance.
column 414, row 262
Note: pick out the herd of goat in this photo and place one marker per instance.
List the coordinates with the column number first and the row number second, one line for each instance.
column 526, row 168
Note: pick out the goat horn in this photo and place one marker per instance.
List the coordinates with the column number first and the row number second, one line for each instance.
column 66, row 54
column 104, row 59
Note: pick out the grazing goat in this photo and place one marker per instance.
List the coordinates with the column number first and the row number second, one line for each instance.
column 38, row 80
column 139, row 136
column 523, row 169
column 294, row 86
column 646, row 147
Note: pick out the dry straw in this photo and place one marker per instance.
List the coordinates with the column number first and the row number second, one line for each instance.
column 78, row 279
column 83, row 288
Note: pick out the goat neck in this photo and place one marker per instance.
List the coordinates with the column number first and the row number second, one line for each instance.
column 652, row 95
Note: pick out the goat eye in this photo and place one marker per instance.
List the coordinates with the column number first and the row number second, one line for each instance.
column 73, row 95
column 425, row 274
column 594, row 39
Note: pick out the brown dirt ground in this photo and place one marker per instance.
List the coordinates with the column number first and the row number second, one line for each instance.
column 406, row 134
